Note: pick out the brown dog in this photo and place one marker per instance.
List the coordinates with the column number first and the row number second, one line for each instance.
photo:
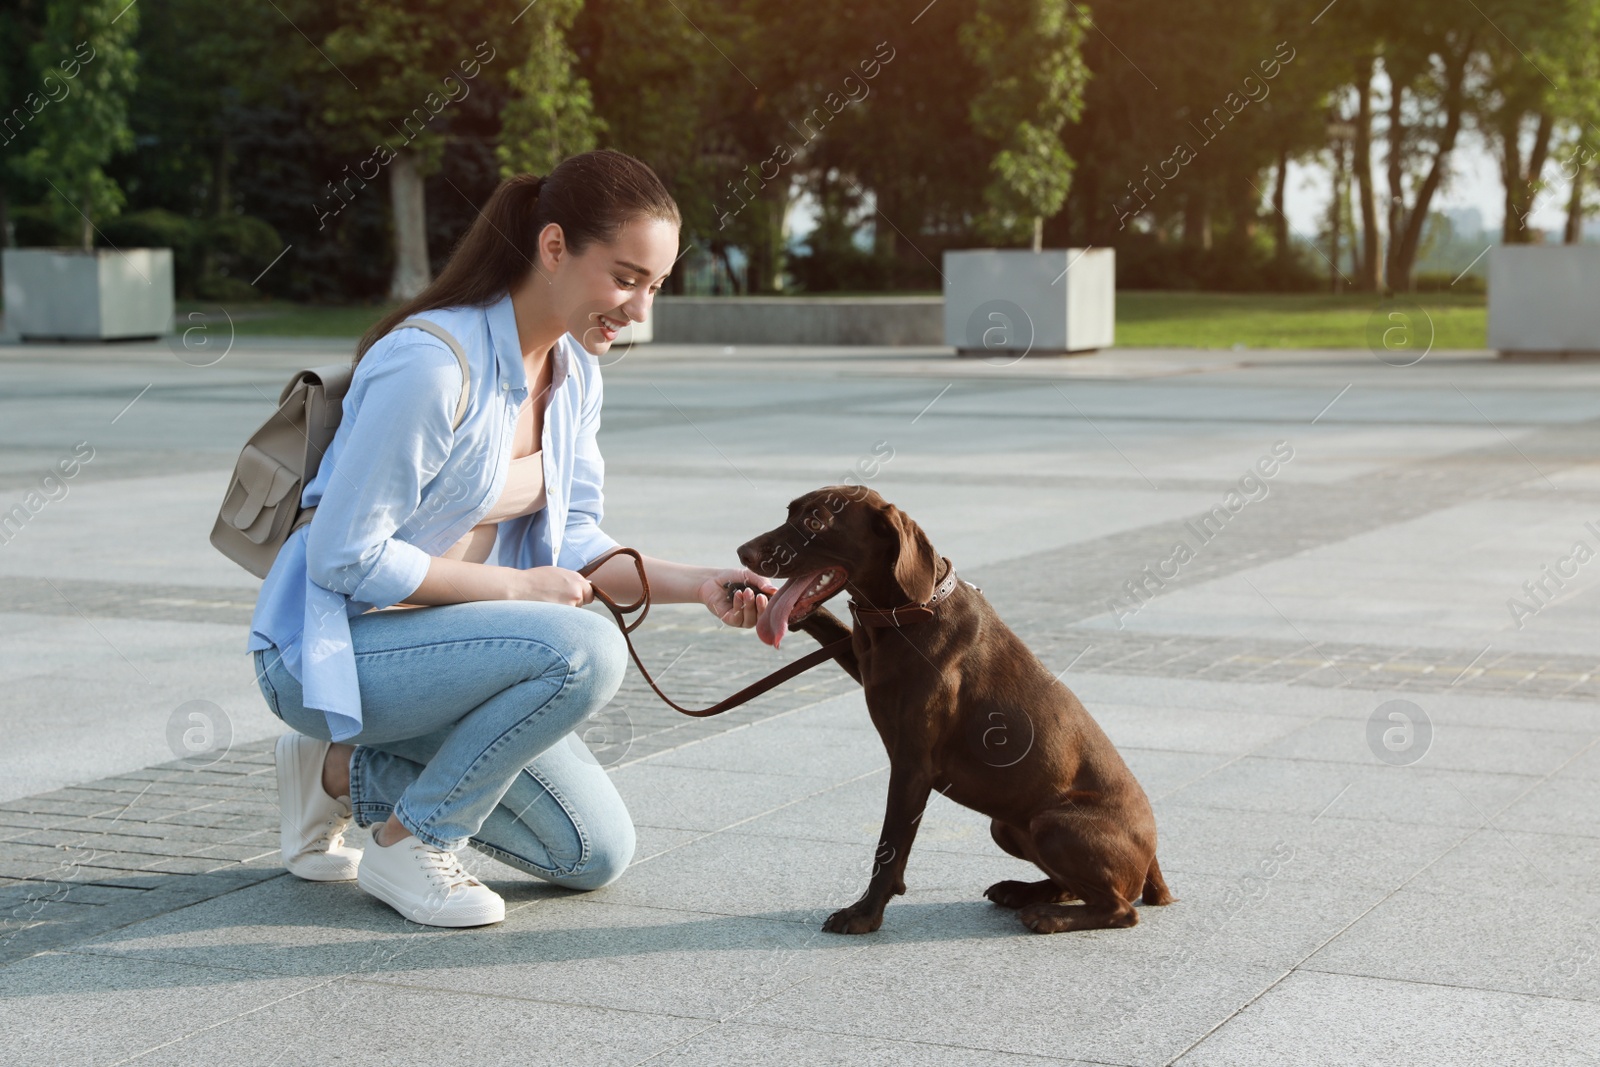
column 964, row 708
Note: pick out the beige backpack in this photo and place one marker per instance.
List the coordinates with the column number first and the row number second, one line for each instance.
column 262, row 505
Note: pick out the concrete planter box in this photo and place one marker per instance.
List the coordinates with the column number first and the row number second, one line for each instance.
column 66, row 294
column 1544, row 300
column 1017, row 302
column 797, row 320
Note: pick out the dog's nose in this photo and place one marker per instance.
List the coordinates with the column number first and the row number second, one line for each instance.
column 748, row 555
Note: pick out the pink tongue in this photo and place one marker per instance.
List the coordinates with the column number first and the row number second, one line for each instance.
column 774, row 622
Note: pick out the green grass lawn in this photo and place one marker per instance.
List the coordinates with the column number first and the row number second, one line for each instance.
column 1144, row 319
column 1293, row 320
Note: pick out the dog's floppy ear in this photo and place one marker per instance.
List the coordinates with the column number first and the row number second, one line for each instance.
column 914, row 561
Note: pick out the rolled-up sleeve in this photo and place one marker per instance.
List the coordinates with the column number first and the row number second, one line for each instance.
column 582, row 539
column 399, row 436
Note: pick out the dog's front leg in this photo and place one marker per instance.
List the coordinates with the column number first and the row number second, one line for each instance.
column 908, row 796
column 825, row 628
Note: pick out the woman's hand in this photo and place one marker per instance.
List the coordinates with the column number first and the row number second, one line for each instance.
column 557, row 585
column 738, row 606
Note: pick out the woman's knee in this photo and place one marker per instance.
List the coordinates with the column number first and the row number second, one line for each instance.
column 598, row 657
column 608, row 856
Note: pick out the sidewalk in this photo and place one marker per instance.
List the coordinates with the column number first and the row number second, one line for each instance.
column 1341, row 900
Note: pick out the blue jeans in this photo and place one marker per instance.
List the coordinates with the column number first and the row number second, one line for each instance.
column 468, row 713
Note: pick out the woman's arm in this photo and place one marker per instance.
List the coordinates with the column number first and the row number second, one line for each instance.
column 684, row 583
column 456, row 581
column 670, row 583
column 396, row 440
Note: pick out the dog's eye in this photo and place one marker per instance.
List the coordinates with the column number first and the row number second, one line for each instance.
column 817, row 520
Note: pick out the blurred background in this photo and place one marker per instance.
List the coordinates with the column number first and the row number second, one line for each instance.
column 1263, row 146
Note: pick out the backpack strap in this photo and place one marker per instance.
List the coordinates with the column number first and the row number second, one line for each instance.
column 461, row 357
column 342, row 382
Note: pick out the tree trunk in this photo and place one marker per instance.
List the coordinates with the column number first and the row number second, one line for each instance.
column 1038, row 233
column 411, row 272
column 86, row 231
column 1197, row 221
column 1522, row 185
column 1575, row 208
column 886, row 238
column 217, row 205
column 1540, row 153
column 1280, row 221
column 727, row 265
column 1369, row 276
column 1396, row 175
column 1455, row 106
column 1336, row 217
column 219, row 175
column 1514, row 230
column 767, row 265
column 759, row 267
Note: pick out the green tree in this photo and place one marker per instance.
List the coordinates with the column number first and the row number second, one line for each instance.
column 661, row 90
column 24, row 95
column 1427, row 53
column 91, row 40
column 551, row 113
column 1567, row 51
column 1515, row 102
column 1033, row 83
column 395, row 73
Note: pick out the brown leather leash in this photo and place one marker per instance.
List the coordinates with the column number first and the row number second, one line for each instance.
column 642, row 605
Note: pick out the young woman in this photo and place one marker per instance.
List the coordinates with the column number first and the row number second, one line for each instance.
column 424, row 635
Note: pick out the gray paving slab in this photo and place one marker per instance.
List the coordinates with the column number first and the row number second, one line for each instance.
column 1413, row 794
column 70, row 1010
column 742, row 1045
column 1196, row 729
column 381, row 1026
column 694, row 798
column 1359, row 854
column 1514, row 749
column 1319, row 1019
column 1562, row 804
column 1528, row 941
column 280, row 926
column 1331, row 909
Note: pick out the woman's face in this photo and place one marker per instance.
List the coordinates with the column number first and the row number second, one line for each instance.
column 612, row 285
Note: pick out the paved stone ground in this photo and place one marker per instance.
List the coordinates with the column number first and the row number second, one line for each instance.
column 1339, row 902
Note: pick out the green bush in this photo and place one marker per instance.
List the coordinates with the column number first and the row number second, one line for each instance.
column 36, row 227
column 845, row 268
column 214, row 259
column 236, row 248
column 154, row 228
column 1145, row 262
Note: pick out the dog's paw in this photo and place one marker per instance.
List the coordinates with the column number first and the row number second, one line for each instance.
column 854, row 920
column 1045, row 919
column 1013, row 894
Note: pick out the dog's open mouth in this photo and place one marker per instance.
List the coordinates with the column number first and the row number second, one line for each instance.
column 795, row 601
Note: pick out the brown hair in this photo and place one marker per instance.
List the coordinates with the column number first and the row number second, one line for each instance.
column 591, row 196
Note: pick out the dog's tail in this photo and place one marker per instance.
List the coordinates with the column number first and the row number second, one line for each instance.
column 1155, row 887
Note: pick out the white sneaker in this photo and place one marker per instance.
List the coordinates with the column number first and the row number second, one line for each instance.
column 427, row 885
column 313, row 823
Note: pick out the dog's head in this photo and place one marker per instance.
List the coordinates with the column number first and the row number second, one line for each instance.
column 836, row 537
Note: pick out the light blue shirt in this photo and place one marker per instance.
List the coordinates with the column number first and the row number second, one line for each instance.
column 398, row 486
